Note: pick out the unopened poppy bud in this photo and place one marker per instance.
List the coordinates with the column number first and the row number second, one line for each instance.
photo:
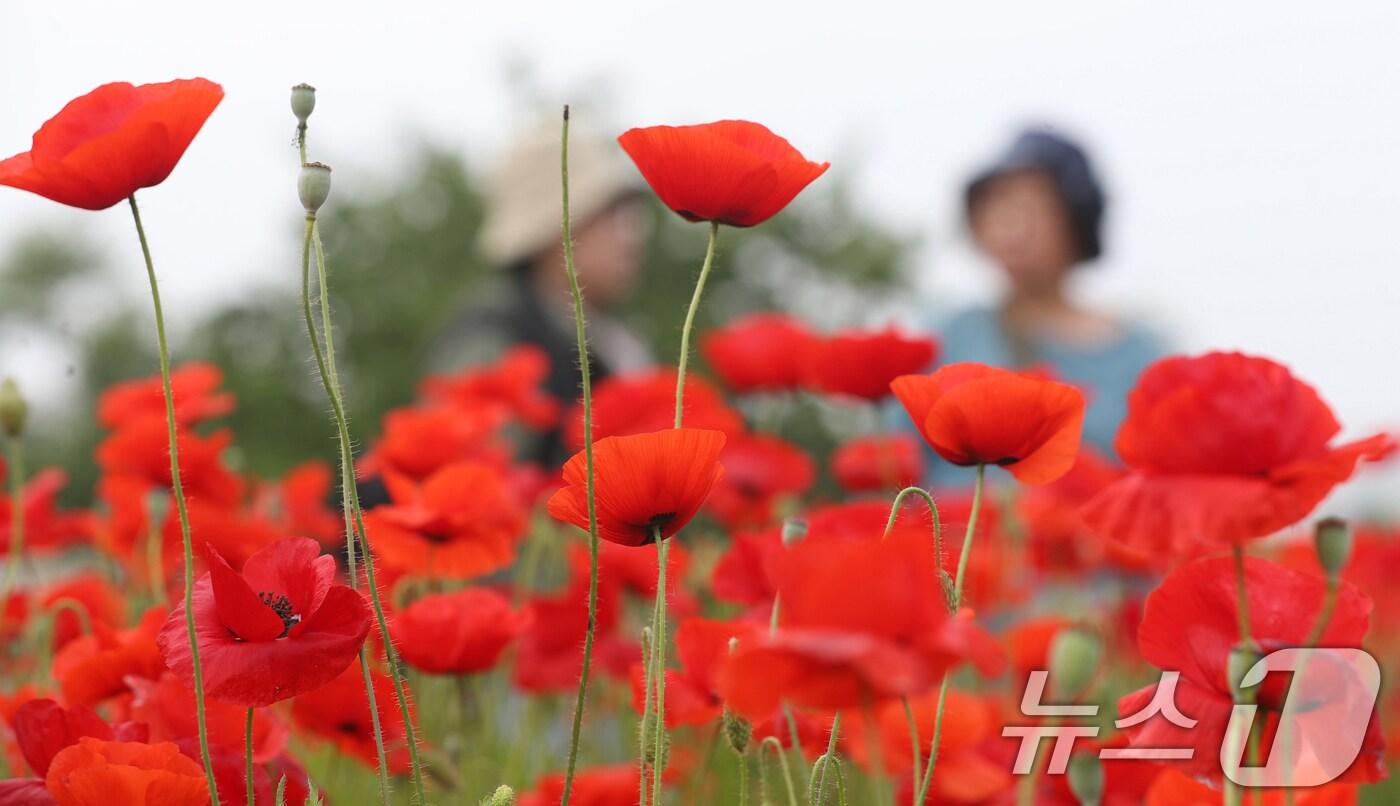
column 503, row 796
column 13, row 409
column 314, row 185
column 737, row 731
column 794, row 529
column 1086, row 779
column 1074, row 660
column 1243, row 657
column 1333, row 542
column 303, row 102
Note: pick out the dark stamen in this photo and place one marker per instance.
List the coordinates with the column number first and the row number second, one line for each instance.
column 284, row 609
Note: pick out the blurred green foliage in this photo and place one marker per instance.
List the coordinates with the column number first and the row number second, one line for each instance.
column 403, row 260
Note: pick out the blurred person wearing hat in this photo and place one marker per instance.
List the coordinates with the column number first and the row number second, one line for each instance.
column 528, row 301
column 1036, row 213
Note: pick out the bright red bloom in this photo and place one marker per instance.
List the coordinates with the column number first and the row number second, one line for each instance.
column 614, row 785
column 512, row 383
column 692, row 691
column 1222, row 447
column 861, row 363
column 197, row 397
column 45, row 526
column 1174, row 788
column 1375, row 554
column 91, row 593
column 973, row 414
column 298, row 505
column 731, row 171
column 631, row 571
column 339, row 712
column 1050, row 513
column 645, row 484
column 93, row 667
column 95, row 773
column 167, row 707
column 761, row 352
column 415, row 442
column 1190, row 625
column 461, row 522
column 276, row 630
column 456, row 633
column 880, row 462
column 641, row 402
column 140, row 449
column 549, row 653
column 104, row 146
column 760, row 472
column 860, row 622
column 43, row 728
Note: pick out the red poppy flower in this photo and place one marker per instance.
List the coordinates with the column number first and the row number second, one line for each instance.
column 549, row 653
column 94, row 667
column 43, row 728
column 91, row 593
column 25, row 792
column 860, row 622
column 95, row 772
column 614, row 785
column 880, row 462
column 167, row 707
column 761, row 352
column 141, row 449
column 456, row 633
column 45, row 526
column 461, row 522
column 104, row 146
column 1190, row 625
column 511, row 383
column 967, row 772
column 861, row 364
column 760, row 472
column 641, row 402
column 339, row 713
column 631, row 571
column 974, row 414
column 1222, row 447
column 197, row 397
column 278, row 629
column 297, row 504
column 692, row 690
column 1375, row 554
column 1058, row 540
column 732, row 171
column 415, row 442
column 644, row 483
column 1174, row 788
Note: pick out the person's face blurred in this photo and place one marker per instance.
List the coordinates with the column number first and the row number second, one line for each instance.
column 1021, row 223
column 608, row 251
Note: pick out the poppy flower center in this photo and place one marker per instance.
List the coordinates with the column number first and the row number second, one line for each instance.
column 284, row 609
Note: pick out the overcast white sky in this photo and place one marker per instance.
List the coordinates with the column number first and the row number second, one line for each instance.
column 1252, row 148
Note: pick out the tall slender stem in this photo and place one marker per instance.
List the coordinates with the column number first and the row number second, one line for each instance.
column 178, row 491
column 347, row 485
column 15, row 471
column 690, row 319
column 954, row 604
column 913, row 741
column 659, row 673
column 582, row 338
column 248, row 756
column 816, row 789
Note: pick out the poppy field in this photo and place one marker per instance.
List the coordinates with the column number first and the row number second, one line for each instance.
column 693, row 608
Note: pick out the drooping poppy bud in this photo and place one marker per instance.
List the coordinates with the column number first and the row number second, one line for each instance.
column 1075, row 655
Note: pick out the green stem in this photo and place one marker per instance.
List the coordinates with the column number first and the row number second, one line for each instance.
column 248, row 755
column 816, row 788
column 1241, row 595
column 1234, row 794
column 582, row 339
column 913, row 740
column 347, row 490
column 178, row 490
column 659, row 673
column 743, row 779
column 644, row 729
column 777, row 748
column 690, row 319
column 955, row 602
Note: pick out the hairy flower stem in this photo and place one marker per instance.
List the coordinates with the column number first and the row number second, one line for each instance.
column 248, row 756
column 777, row 748
column 15, row 471
column 584, row 370
column 658, row 651
column 954, row 604
column 178, row 491
column 690, row 319
column 816, row 788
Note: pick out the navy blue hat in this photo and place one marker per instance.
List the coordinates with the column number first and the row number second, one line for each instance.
column 1068, row 165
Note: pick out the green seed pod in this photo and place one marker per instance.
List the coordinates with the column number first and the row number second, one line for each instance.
column 1333, row 543
column 1075, row 655
column 314, row 185
column 303, row 102
column 13, row 410
column 1086, row 778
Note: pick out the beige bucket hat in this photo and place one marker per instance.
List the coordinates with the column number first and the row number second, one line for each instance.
column 523, row 193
